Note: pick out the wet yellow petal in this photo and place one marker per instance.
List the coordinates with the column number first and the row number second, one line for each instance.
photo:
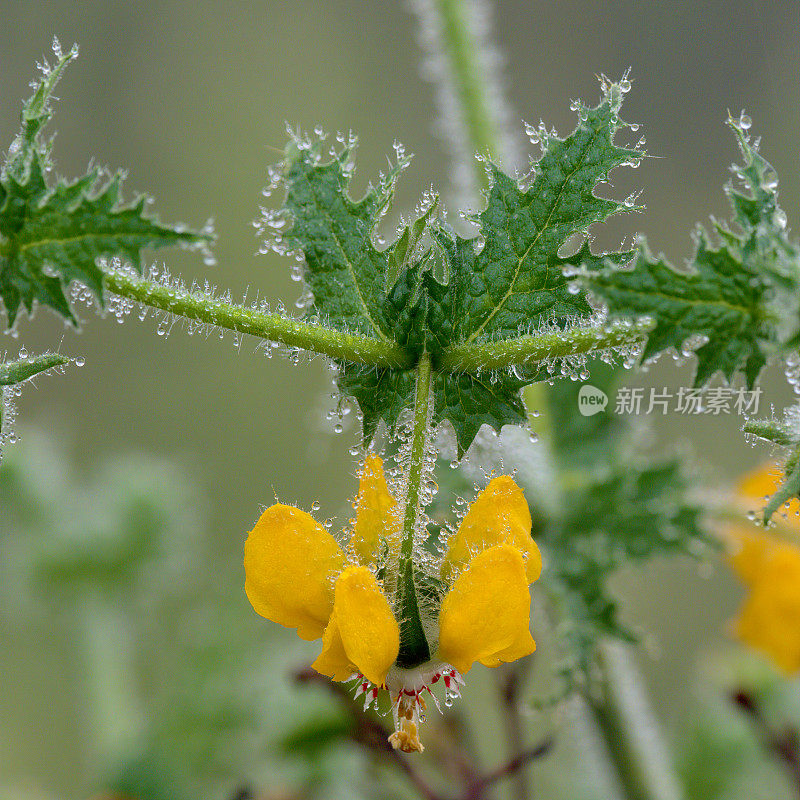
column 758, row 483
column 290, row 563
column 376, row 515
column 499, row 515
column 363, row 635
column 769, row 619
column 486, row 614
column 333, row 660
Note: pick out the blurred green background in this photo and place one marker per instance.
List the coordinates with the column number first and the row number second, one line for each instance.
column 192, row 99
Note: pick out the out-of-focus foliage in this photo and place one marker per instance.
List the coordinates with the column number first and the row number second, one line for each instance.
column 744, row 709
column 183, row 695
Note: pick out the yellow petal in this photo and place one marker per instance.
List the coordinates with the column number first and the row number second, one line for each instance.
column 499, row 515
column 486, row 614
column 363, row 635
column 333, row 660
column 376, row 515
column 769, row 619
column 748, row 547
column 760, row 482
column 290, row 563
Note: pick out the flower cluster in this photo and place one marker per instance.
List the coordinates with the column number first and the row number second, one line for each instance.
column 475, row 608
column 768, row 562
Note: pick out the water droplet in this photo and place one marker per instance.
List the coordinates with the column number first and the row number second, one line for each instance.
column 80, row 361
column 745, row 122
column 624, row 85
column 315, row 506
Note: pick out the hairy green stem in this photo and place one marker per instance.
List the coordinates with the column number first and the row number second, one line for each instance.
column 528, row 350
column 274, row 327
column 17, row 371
column 470, row 87
column 413, row 644
column 629, row 729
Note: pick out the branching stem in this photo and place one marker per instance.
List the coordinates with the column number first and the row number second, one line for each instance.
column 470, row 358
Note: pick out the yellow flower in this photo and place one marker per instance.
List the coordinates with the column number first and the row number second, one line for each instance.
column 473, row 603
column 768, row 562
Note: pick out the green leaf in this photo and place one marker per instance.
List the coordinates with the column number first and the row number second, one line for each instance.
column 515, row 283
column 784, row 435
column 433, row 289
column 401, row 255
column 779, row 433
column 516, row 279
column 53, row 235
column 344, row 270
column 13, row 372
column 742, row 297
column 470, row 401
column 380, row 394
column 722, row 301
